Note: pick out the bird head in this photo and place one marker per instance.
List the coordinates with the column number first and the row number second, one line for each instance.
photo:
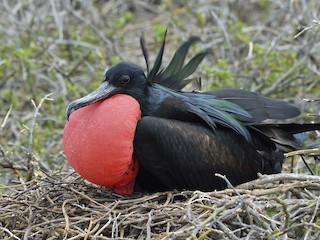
column 122, row 78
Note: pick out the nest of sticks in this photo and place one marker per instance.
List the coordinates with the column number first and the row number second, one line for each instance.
column 67, row 207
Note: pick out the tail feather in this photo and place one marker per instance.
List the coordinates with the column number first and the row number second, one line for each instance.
column 285, row 137
column 293, row 128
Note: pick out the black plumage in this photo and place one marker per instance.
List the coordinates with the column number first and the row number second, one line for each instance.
column 184, row 138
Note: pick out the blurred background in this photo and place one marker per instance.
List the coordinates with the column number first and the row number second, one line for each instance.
column 63, row 47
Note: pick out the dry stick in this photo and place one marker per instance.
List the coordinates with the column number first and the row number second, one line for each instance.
column 206, row 221
column 250, row 235
column 274, row 86
column 284, row 188
column 10, row 233
column 169, row 198
column 93, row 28
column 254, row 71
column 243, row 202
column 103, row 228
column 285, row 210
column 307, row 165
column 226, row 230
column 149, row 224
column 12, row 166
column 179, row 234
column 312, row 218
column 316, row 237
column 154, row 21
column 96, row 227
column 262, row 226
column 310, row 194
column 29, row 227
column 302, row 152
column 311, row 100
column 264, row 179
column 106, row 214
column 303, row 224
column 82, row 60
column 124, row 218
column 66, row 217
column 316, row 160
column 302, row 209
column 253, row 227
column 57, row 19
column 79, row 236
column 225, row 33
column 6, row 118
column 30, row 166
column 87, row 197
column 316, row 24
column 88, row 231
column 65, row 42
column 8, row 163
column 115, row 227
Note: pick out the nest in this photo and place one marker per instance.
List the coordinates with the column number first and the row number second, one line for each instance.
column 67, row 207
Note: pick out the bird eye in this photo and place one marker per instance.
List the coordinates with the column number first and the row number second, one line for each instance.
column 125, row 79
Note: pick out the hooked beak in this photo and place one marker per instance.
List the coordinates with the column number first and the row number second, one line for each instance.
column 105, row 90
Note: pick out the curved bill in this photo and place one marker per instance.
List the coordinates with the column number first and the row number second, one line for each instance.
column 105, row 90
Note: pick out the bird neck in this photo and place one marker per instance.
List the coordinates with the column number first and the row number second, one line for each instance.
column 155, row 96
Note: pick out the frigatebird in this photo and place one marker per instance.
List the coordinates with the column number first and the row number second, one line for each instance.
column 144, row 131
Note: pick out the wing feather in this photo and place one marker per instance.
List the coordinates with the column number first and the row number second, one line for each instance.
column 180, row 155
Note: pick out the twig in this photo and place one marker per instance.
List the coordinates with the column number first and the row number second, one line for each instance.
column 307, row 165
column 311, row 100
column 10, row 233
column 275, row 85
column 66, row 217
column 88, row 230
column 8, row 163
column 303, row 152
column 303, row 224
column 226, row 230
column 264, row 179
column 115, row 227
column 6, row 118
column 149, row 224
column 18, row 185
column 103, row 227
column 244, row 204
column 316, row 24
column 285, row 210
column 30, row 165
column 225, row 33
column 312, row 218
column 93, row 27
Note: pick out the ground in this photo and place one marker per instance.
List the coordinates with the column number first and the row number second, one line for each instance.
column 53, row 52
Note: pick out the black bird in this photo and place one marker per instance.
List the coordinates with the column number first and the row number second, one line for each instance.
column 184, row 138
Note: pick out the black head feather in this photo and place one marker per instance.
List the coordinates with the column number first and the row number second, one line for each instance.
column 175, row 74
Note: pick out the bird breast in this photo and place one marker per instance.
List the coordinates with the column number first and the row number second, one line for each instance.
column 98, row 142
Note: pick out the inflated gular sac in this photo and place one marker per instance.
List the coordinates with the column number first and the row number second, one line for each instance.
column 98, row 142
